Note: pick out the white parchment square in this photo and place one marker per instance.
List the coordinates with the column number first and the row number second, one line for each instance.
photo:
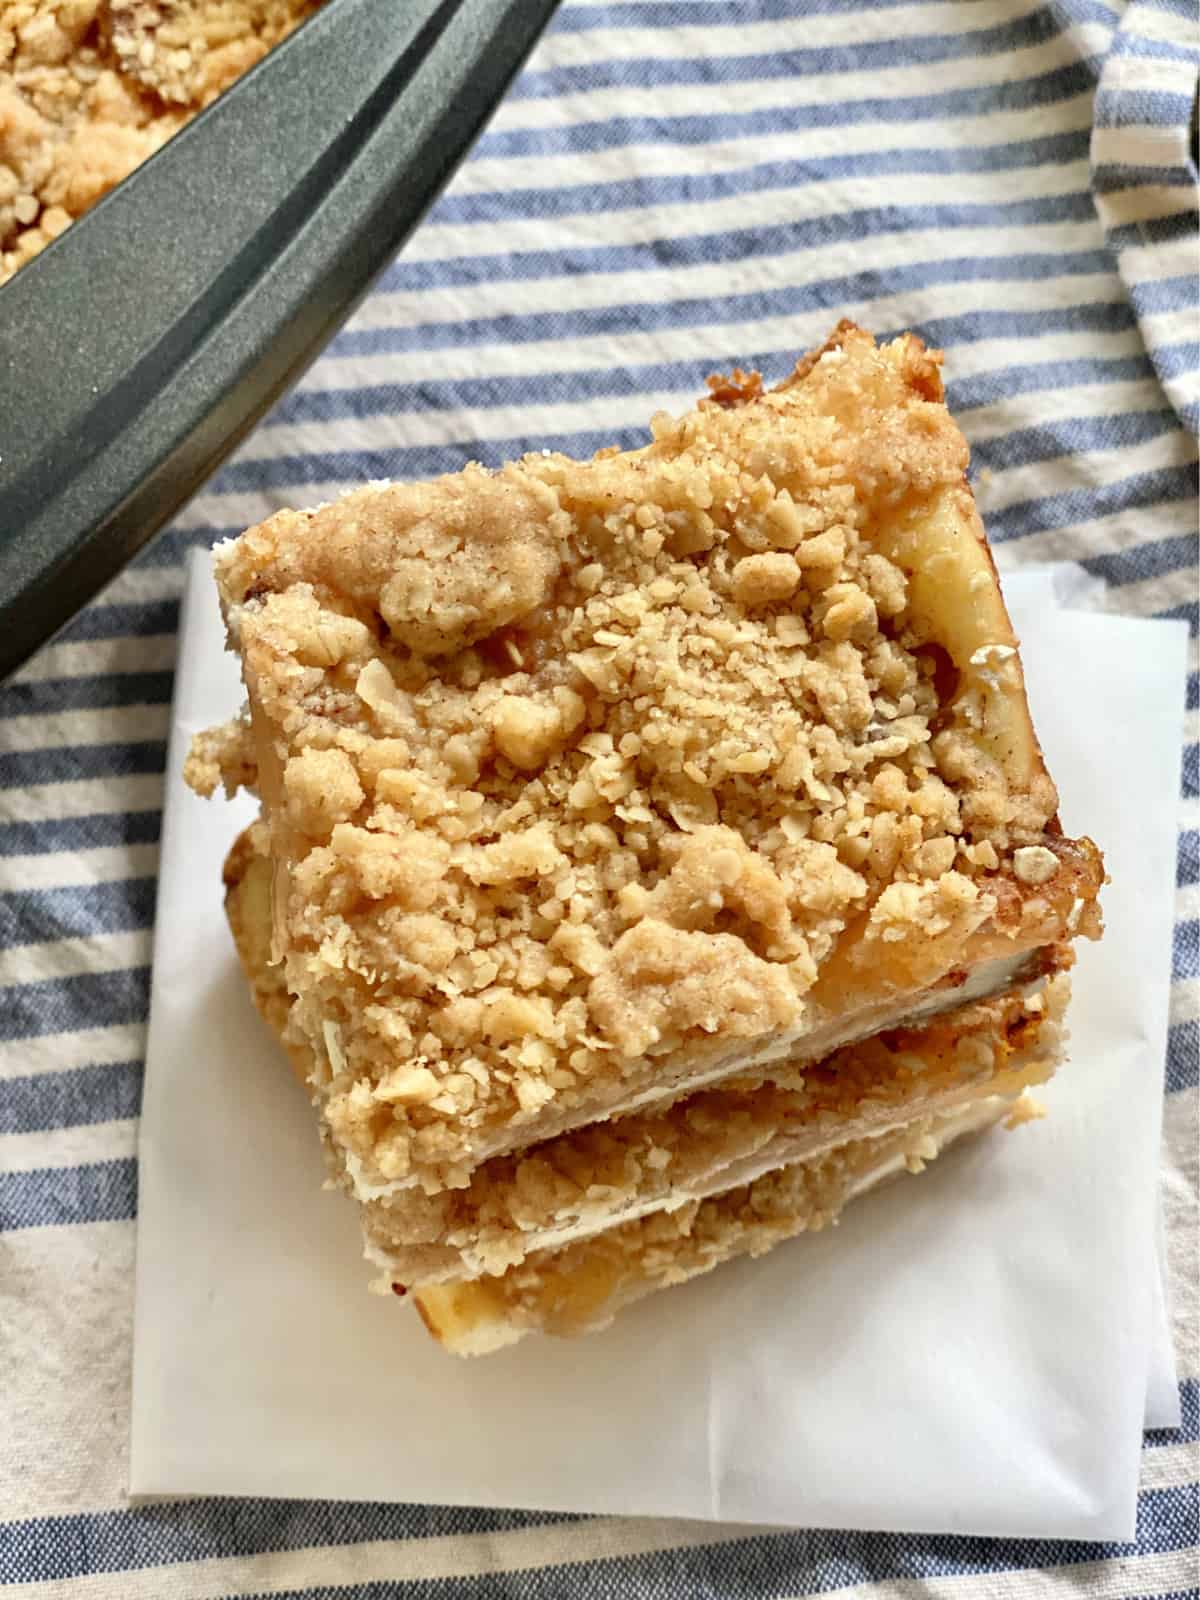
column 966, row 1353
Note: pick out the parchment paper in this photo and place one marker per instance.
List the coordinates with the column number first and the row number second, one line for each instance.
column 966, row 1352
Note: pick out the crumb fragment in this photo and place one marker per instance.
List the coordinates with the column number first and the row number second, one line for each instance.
column 1034, row 864
column 527, row 732
column 222, row 758
column 1026, row 1109
column 762, row 579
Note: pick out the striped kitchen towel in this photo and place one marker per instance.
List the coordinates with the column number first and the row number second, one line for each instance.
column 672, row 186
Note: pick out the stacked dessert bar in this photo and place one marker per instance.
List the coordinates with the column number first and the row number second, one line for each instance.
column 655, row 851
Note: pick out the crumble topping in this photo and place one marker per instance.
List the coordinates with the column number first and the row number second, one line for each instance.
column 574, row 764
column 90, row 88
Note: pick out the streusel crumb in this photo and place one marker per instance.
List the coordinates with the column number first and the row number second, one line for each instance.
column 577, row 767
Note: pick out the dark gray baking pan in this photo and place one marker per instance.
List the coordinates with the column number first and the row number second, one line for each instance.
column 140, row 347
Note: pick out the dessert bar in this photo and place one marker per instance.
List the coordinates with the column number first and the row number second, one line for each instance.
column 626, row 823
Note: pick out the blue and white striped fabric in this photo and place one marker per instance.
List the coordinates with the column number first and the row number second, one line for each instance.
column 670, row 188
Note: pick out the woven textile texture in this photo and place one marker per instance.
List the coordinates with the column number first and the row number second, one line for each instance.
column 671, row 187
